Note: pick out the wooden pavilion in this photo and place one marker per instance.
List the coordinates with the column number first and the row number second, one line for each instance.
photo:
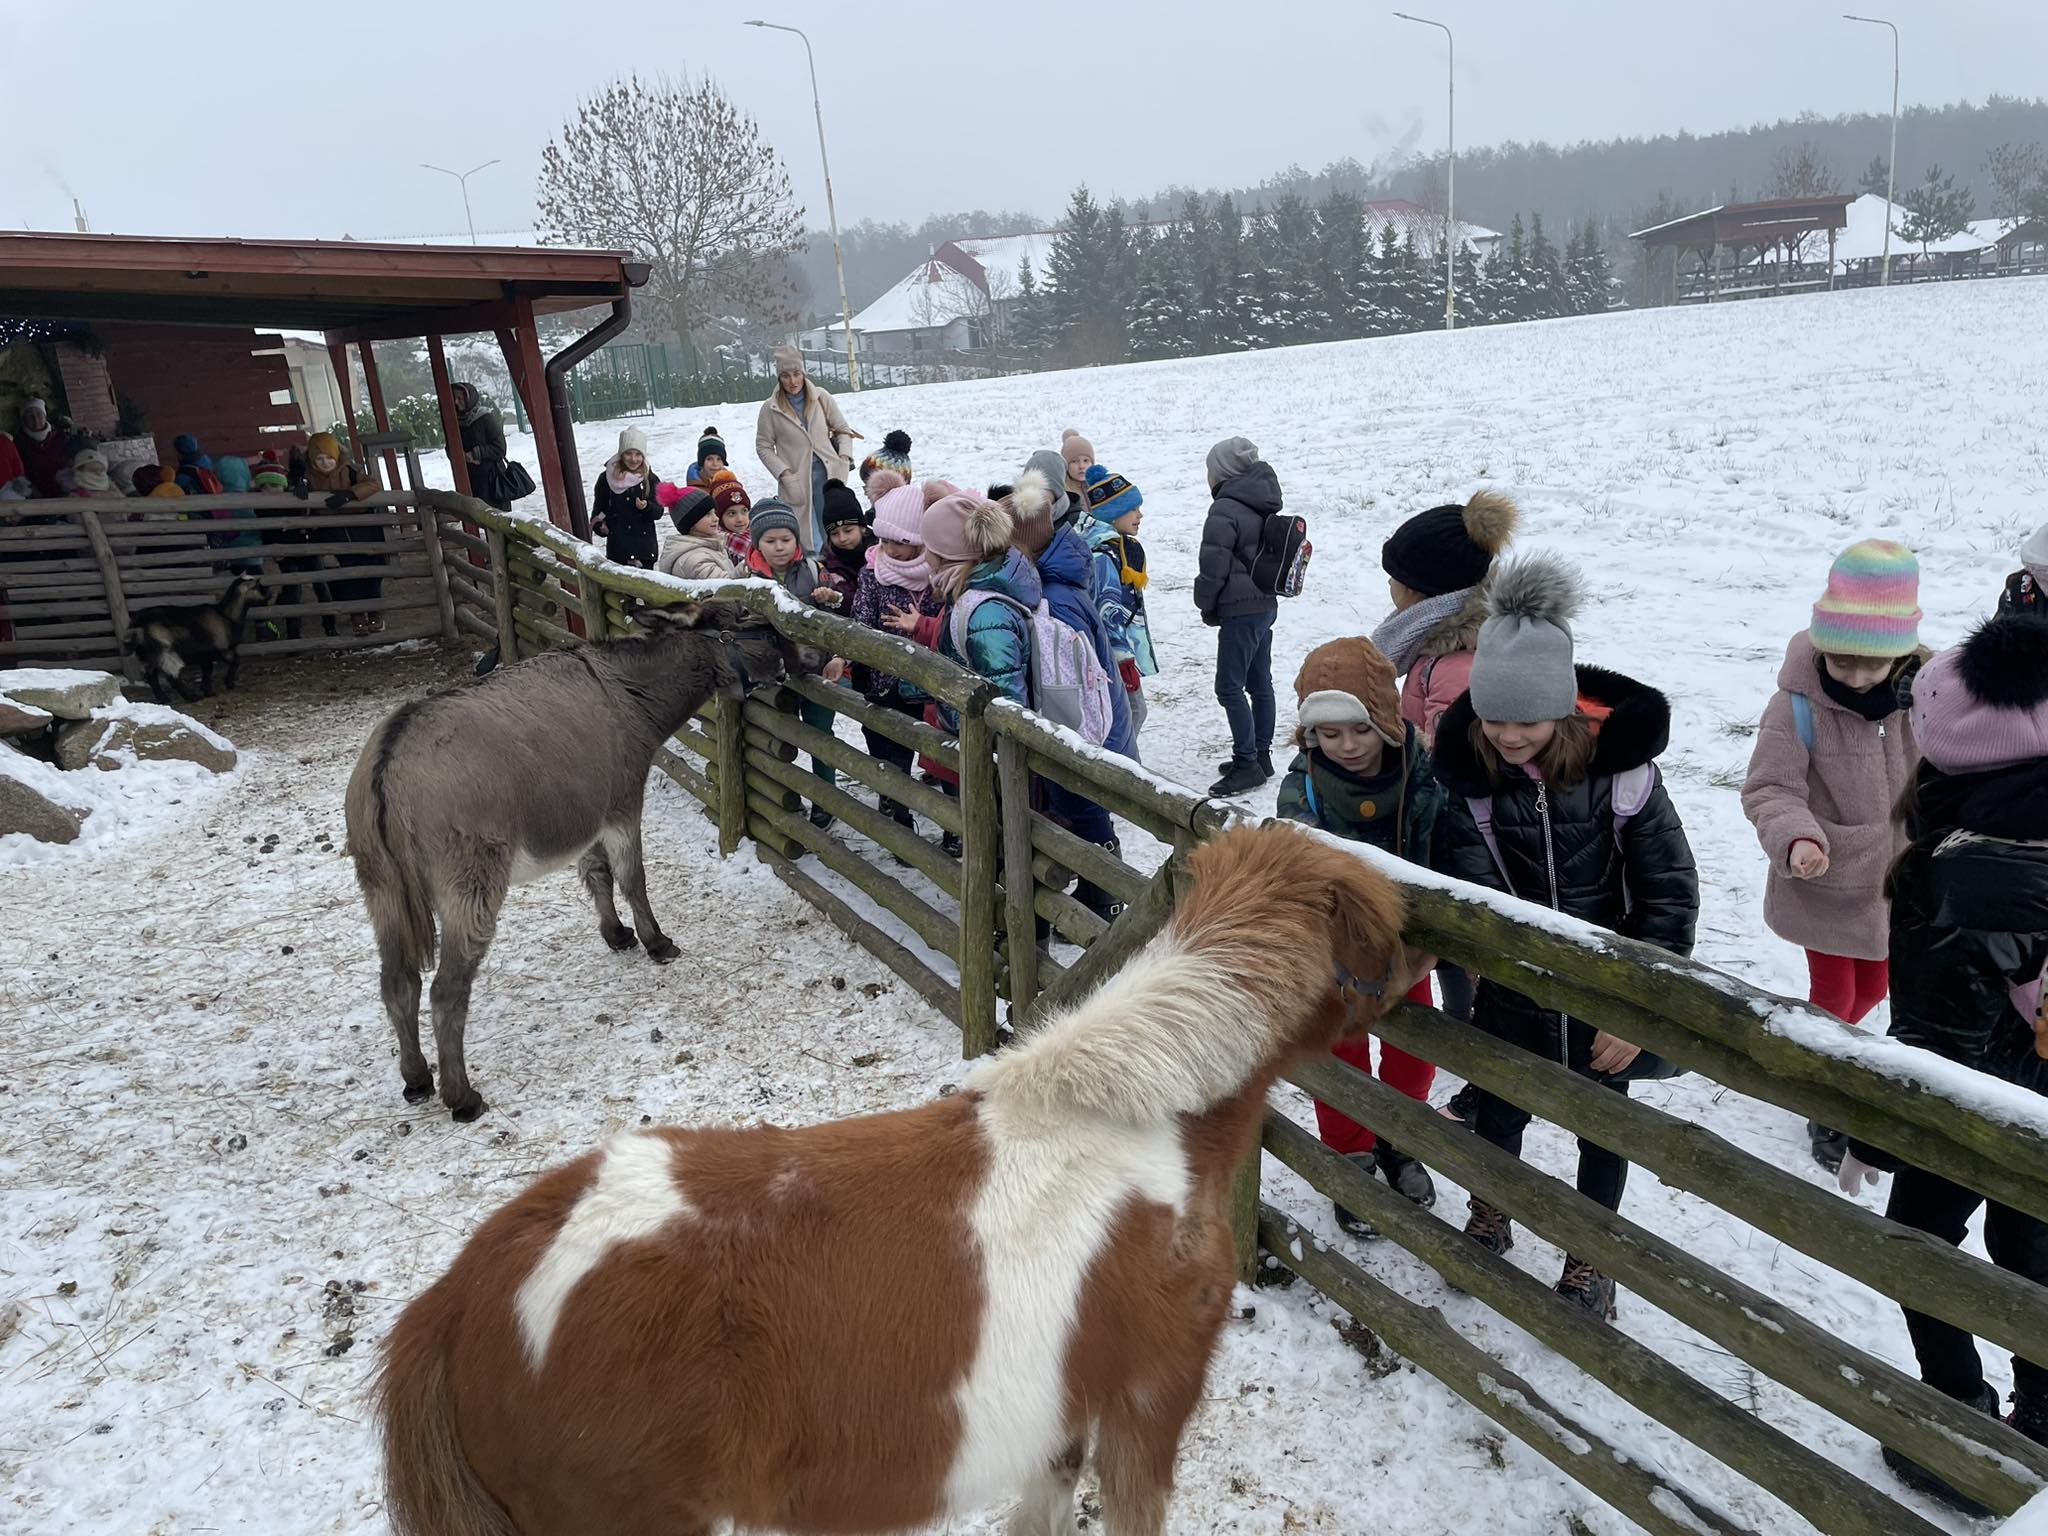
column 178, row 316
column 1766, row 242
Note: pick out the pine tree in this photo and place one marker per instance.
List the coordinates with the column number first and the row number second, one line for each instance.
column 1513, row 297
column 1162, row 313
column 1470, row 309
column 1876, row 177
column 1028, row 322
column 1342, row 261
column 1092, row 277
column 1592, row 273
column 1227, row 305
column 1935, row 210
column 1545, row 274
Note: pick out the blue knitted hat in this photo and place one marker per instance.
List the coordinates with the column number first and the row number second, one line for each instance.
column 1110, row 496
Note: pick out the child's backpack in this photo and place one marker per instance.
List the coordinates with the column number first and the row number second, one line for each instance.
column 1067, row 683
column 1281, row 565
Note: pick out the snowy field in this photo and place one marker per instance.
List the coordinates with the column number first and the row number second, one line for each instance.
column 215, row 1199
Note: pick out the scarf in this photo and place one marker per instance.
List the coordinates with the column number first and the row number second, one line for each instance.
column 616, row 477
column 1365, row 810
column 92, row 477
column 1130, row 572
column 475, row 414
column 1878, row 702
column 37, row 437
column 740, row 546
column 912, row 575
column 1401, row 634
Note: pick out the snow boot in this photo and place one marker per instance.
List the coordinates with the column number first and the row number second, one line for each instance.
column 1094, row 897
column 1920, row 1480
column 1828, row 1145
column 1348, row 1222
column 1265, row 761
column 2030, row 1417
column 1407, row 1176
column 951, row 846
column 1489, row 1227
column 1585, row 1285
column 820, row 817
column 1463, row 1106
column 1243, row 776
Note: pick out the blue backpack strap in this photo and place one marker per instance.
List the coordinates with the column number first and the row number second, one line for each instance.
column 1802, row 720
column 1315, row 810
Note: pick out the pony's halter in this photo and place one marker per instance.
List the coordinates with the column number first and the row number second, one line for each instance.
column 730, row 642
column 1352, row 991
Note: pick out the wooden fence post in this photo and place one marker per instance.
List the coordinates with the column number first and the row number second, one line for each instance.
column 981, row 844
column 110, row 577
column 732, row 774
column 1020, row 914
column 501, row 597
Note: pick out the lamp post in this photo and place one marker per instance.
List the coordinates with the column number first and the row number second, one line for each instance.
column 462, row 179
column 831, row 208
column 1451, row 180
column 1891, row 166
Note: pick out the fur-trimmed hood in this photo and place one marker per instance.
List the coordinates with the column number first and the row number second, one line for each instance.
column 1636, row 730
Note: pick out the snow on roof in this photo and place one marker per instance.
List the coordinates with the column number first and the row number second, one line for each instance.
column 1424, row 223
column 1863, row 240
column 933, row 292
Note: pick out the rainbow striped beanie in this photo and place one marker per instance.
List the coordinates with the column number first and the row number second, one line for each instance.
column 1872, row 604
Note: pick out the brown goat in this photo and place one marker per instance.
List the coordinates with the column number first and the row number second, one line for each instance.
column 173, row 639
column 867, row 1325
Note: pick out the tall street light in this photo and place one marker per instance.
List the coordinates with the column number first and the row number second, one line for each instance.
column 462, row 177
column 831, row 208
column 1451, row 181
column 1891, row 169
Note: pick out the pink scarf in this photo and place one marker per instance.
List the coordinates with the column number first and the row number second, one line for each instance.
column 913, row 575
column 616, row 477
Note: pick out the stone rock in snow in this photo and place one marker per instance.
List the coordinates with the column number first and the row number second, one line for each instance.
column 23, row 809
column 21, row 719
column 103, row 743
column 66, row 692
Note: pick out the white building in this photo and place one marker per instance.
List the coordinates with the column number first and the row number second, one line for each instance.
column 956, row 300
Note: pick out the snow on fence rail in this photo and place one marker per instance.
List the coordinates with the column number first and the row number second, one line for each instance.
column 964, row 933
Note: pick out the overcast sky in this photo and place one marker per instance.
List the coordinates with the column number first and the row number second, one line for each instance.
column 236, row 120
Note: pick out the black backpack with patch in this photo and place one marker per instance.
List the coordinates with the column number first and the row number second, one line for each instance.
column 1280, row 568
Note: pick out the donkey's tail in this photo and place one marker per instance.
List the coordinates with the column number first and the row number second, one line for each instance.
column 430, row 1489
column 394, row 884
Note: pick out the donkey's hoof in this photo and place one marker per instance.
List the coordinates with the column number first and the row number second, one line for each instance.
column 620, row 937
column 419, row 1093
column 469, row 1108
column 662, row 949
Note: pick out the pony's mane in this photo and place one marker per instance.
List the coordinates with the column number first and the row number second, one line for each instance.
column 1171, row 1033
column 1194, row 1014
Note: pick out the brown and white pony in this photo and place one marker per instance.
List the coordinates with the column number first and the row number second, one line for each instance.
column 867, row 1325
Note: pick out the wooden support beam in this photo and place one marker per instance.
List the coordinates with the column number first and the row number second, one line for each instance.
column 532, row 376
column 981, row 848
column 451, row 418
column 378, row 414
column 1013, row 776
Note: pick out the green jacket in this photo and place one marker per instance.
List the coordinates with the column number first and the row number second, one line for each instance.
column 1396, row 810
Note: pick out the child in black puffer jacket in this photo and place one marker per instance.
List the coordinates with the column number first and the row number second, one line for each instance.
column 1969, row 943
column 1555, row 797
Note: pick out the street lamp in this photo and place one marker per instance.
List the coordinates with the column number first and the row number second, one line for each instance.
column 831, row 208
column 1451, row 180
column 462, row 177
column 1891, row 169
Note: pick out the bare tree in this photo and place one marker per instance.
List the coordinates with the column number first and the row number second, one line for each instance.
column 2017, row 172
column 955, row 296
column 1801, row 170
column 672, row 171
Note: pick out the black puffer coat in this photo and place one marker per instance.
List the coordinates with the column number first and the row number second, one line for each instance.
column 1562, row 850
column 1224, row 588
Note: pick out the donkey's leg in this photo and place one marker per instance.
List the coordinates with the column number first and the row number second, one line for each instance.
column 469, row 920
column 596, row 873
column 1046, row 1507
column 400, row 985
column 1135, row 1451
column 621, row 843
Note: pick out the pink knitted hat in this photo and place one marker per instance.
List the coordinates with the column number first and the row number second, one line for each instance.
column 1984, row 704
column 1872, row 604
column 963, row 529
column 899, row 514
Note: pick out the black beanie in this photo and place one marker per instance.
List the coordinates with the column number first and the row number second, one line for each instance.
column 1450, row 548
column 708, row 444
column 691, row 508
column 841, row 506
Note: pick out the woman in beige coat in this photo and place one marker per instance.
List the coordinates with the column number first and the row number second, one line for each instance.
column 802, row 438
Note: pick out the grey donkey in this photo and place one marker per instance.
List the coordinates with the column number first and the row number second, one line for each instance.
column 511, row 776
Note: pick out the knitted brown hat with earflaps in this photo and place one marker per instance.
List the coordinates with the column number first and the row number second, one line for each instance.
column 1348, row 682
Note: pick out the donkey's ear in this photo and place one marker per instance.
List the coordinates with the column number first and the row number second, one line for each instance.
column 682, row 615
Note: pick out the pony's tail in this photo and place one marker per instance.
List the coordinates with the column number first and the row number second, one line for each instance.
column 430, row 1489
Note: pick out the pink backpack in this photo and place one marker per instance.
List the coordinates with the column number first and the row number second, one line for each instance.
column 1067, row 683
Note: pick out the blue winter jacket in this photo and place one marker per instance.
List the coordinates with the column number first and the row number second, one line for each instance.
column 998, row 636
column 1121, row 604
column 1073, row 590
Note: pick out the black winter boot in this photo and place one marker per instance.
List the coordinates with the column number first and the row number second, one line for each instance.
column 1463, row 1106
column 1244, row 776
column 1828, row 1145
column 1347, row 1221
column 2030, row 1417
column 1407, row 1176
column 1918, row 1478
column 1585, row 1285
column 1489, row 1227
column 1094, row 897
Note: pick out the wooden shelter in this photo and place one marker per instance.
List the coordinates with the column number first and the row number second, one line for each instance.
column 1765, row 240
column 169, row 309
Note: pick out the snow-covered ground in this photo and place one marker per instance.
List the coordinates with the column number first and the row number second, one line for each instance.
column 210, row 1182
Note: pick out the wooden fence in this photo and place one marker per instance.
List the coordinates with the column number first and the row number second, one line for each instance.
column 961, row 932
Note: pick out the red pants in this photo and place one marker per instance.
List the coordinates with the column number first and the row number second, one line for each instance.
column 1847, row 988
column 1411, row 1074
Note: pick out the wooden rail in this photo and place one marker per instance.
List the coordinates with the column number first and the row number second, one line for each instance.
column 962, row 932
